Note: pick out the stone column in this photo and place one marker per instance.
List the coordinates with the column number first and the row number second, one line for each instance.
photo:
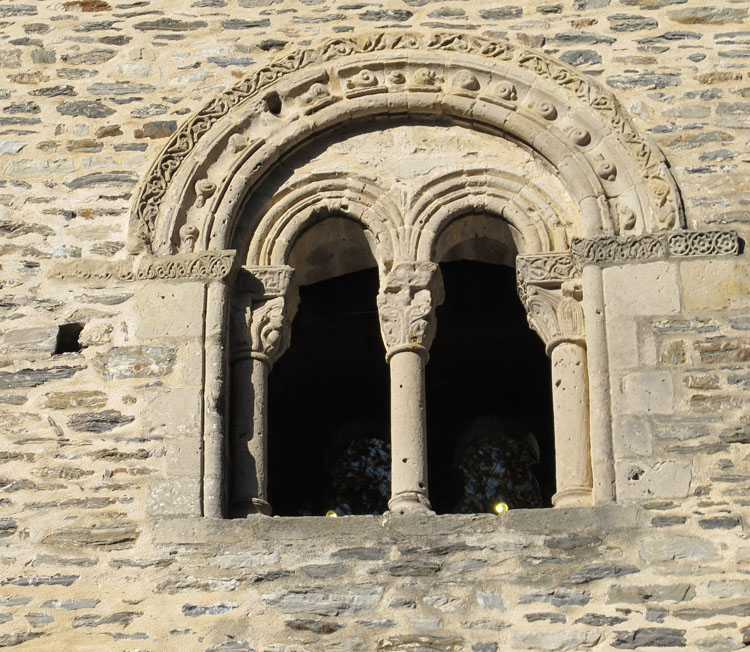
column 406, row 304
column 557, row 315
column 261, row 325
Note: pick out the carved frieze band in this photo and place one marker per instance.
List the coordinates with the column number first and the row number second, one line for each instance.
column 679, row 244
column 205, row 265
column 357, row 81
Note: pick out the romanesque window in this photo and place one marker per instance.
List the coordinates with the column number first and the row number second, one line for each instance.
column 394, row 156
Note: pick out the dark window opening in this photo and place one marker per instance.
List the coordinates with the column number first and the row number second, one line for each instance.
column 67, row 338
column 489, row 407
column 490, row 433
column 329, row 444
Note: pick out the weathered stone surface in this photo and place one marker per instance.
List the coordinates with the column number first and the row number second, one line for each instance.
column 557, row 597
column 98, row 421
column 85, row 108
column 558, row 641
column 193, row 611
column 65, row 400
column 672, row 548
column 123, row 618
column 39, row 339
column 170, row 25
column 630, row 22
column 651, row 593
column 600, row 571
column 649, row 637
column 355, row 600
column 707, row 15
column 403, row 642
column 136, row 362
column 115, row 537
column 35, row 377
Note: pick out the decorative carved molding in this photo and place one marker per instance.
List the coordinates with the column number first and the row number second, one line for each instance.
column 204, row 265
column 661, row 186
column 680, row 244
column 704, row 243
column 265, row 282
column 365, row 78
column 406, row 305
column 545, row 270
column 556, row 314
column 613, row 249
column 263, row 307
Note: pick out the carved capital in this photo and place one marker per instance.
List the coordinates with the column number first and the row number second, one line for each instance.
column 262, row 312
column 556, row 314
column 406, row 304
column 545, row 270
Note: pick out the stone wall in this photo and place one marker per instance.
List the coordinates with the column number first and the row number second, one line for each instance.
column 94, row 440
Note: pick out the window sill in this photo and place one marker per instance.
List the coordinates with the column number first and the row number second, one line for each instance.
column 549, row 521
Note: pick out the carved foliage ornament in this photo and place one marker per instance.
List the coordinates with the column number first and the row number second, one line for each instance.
column 613, row 249
column 648, row 160
column 556, row 314
column 204, row 265
column 406, row 304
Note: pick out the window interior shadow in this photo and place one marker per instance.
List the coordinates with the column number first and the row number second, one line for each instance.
column 489, row 397
column 329, row 446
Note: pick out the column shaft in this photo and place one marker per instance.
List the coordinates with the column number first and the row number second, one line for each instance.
column 408, row 433
column 571, row 406
column 249, row 418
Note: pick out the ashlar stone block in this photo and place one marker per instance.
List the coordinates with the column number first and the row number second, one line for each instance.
column 641, row 289
column 176, row 497
column 644, row 392
column 715, row 284
column 169, row 310
column 668, row 479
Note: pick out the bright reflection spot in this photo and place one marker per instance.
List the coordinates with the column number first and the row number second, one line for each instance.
column 501, row 507
column 331, row 513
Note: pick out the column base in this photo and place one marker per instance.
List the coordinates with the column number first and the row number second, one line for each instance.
column 251, row 507
column 573, row 497
column 410, row 502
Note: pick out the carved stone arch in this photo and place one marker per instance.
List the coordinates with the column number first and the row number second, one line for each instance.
column 284, row 217
column 208, row 169
column 539, row 221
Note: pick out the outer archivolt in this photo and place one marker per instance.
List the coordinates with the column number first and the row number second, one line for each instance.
column 643, row 169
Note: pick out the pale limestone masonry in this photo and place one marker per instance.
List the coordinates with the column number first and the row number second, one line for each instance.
column 172, row 174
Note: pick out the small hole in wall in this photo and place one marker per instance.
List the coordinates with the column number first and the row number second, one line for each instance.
column 68, row 338
column 635, row 474
column 273, row 101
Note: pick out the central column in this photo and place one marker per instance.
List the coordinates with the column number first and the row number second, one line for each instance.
column 406, row 305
